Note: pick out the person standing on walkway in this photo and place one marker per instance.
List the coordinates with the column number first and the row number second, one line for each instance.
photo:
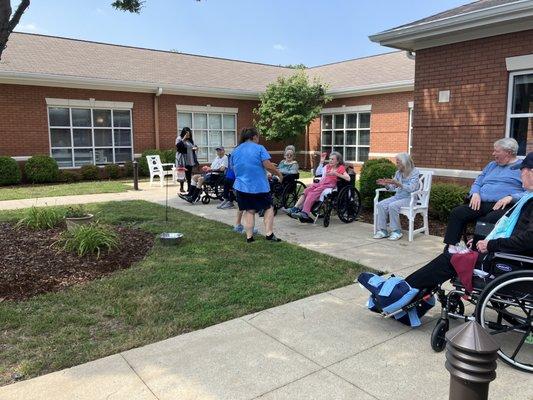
column 404, row 182
column 250, row 162
column 186, row 155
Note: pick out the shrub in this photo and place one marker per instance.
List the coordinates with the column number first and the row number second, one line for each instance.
column 112, row 171
column 369, row 175
column 78, row 211
column 41, row 218
column 167, row 156
column 89, row 239
column 90, row 172
column 41, row 169
column 128, row 169
column 374, row 161
column 9, row 171
column 445, row 197
column 68, row 176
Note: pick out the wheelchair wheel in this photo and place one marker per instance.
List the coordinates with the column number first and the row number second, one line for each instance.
column 348, row 204
column 438, row 336
column 206, row 199
column 455, row 305
column 505, row 310
column 218, row 190
column 291, row 193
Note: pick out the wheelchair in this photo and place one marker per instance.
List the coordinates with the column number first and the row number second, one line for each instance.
column 503, row 305
column 345, row 200
column 213, row 188
column 285, row 194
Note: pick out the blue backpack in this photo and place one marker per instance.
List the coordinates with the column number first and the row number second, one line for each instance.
column 392, row 294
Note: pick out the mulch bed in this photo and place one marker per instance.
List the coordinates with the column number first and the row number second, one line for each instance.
column 30, row 264
column 436, row 228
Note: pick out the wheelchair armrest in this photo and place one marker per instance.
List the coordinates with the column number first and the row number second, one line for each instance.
column 514, row 257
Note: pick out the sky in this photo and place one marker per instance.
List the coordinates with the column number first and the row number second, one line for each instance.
column 309, row 32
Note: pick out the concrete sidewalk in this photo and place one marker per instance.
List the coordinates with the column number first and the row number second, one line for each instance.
column 326, row 346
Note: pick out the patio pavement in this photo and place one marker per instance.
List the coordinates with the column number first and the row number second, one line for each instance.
column 326, row 346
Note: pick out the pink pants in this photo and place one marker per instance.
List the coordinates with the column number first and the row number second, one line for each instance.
column 312, row 194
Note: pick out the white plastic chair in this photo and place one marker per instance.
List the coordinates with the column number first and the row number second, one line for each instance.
column 419, row 205
column 156, row 168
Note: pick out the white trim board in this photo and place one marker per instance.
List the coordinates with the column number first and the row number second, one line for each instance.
column 91, row 103
column 344, row 109
column 519, row 62
column 452, row 173
column 206, row 109
column 21, row 158
column 387, row 155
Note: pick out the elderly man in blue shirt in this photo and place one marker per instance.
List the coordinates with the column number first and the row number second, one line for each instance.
column 492, row 192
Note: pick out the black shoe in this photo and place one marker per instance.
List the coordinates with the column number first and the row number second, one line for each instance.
column 250, row 240
column 272, row 238
column 184, row 197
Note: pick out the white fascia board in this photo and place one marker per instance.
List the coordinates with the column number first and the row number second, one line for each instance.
column 519, row 63
column 452, row 173
column 37, row 79
column 344, row 109
column 21, row 158
column 379, row 88
column 206, row 109
column 89, row 103
column 496, row 20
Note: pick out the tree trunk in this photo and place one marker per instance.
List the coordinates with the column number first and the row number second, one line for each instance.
column 6, row 24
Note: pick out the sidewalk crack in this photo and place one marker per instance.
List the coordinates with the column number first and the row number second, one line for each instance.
column 138, row 376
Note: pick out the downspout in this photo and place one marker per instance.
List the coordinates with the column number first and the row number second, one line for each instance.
column 156, row 116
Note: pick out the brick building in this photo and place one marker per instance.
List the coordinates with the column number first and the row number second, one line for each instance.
column 473, row 83
column 93, row 103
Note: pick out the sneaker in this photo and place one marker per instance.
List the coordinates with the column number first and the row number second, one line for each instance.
column 396, row 235
column 292, row 210
column 229, row 204
column 381, row 234
column 272, row 238
column 221, row 205
column 238, row 228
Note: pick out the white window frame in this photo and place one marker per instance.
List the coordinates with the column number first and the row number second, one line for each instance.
column 90, row 107
column 357, row 146
column 209, row 148
column 510, row 115
column 410, row 111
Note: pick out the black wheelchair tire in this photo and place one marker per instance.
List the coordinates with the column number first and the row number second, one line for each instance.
column 348, row 204
column 206, row 199
column 291, row 193
column 438, row 336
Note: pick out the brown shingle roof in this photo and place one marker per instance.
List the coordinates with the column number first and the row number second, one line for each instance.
column 61, row 57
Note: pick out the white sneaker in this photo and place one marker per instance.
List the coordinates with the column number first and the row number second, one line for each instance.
column 222, row 204
column 381, row 235
column 395, row 235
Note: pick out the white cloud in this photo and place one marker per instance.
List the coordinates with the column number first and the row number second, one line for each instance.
column 30, row 28
column 100, row 11
column 280, row 47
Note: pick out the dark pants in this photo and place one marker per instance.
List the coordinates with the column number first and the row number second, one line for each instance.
column 188, row 176
column 463, row 214
column 437, row 271
column 228, row 189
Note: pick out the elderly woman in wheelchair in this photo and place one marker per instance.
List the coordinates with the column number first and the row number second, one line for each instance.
column 332, row 172
column 497, row 279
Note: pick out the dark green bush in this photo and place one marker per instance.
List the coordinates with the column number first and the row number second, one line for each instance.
column 112, row 171
column 374, row 161
column 68, row 176
column 41, row 169
column 128, row 169
column 369, row 175
column 167, row 156
column 90, row 173
column 445, row 197
column 9, row 171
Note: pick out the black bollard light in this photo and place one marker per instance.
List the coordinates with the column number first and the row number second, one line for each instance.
column 135, row 175
column 471, row 355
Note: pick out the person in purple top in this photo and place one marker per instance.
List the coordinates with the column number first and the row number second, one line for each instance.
column 491, row 194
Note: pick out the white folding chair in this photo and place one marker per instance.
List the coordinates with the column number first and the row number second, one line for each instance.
column 419, row 204
column 156, row 168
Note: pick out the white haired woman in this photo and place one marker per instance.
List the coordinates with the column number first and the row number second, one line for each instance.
column 404, row 182
column 289, row 166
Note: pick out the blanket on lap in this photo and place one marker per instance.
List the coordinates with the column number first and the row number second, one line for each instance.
column 391, row 295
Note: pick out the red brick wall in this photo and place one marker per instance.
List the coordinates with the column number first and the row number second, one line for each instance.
column 460, row 134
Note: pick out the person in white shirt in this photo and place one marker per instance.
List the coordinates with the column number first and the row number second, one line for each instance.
column 218, row 166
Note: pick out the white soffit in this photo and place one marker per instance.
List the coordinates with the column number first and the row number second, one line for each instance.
column 453, row 173
column 91, row 103
column 519, row 62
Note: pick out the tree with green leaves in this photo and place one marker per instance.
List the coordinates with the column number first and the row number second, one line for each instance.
column 9, row 20
column 289, row 105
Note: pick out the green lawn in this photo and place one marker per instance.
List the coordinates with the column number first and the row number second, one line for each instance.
column 63, row 189
column 212, row 276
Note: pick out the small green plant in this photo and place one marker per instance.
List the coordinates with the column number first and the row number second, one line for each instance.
column 68, row 176
column 78, row 211
column 41, row 169
column 128, row 169
column 41, row 218
column 112, row 171
column 444, row 198
column 369, row 175
column 90, row 172
column 9, row 171
column 89, row 239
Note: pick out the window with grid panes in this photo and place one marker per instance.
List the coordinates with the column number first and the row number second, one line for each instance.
column 81, row 136
column 520, row 118
column 349, row 134
column 210, row 130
